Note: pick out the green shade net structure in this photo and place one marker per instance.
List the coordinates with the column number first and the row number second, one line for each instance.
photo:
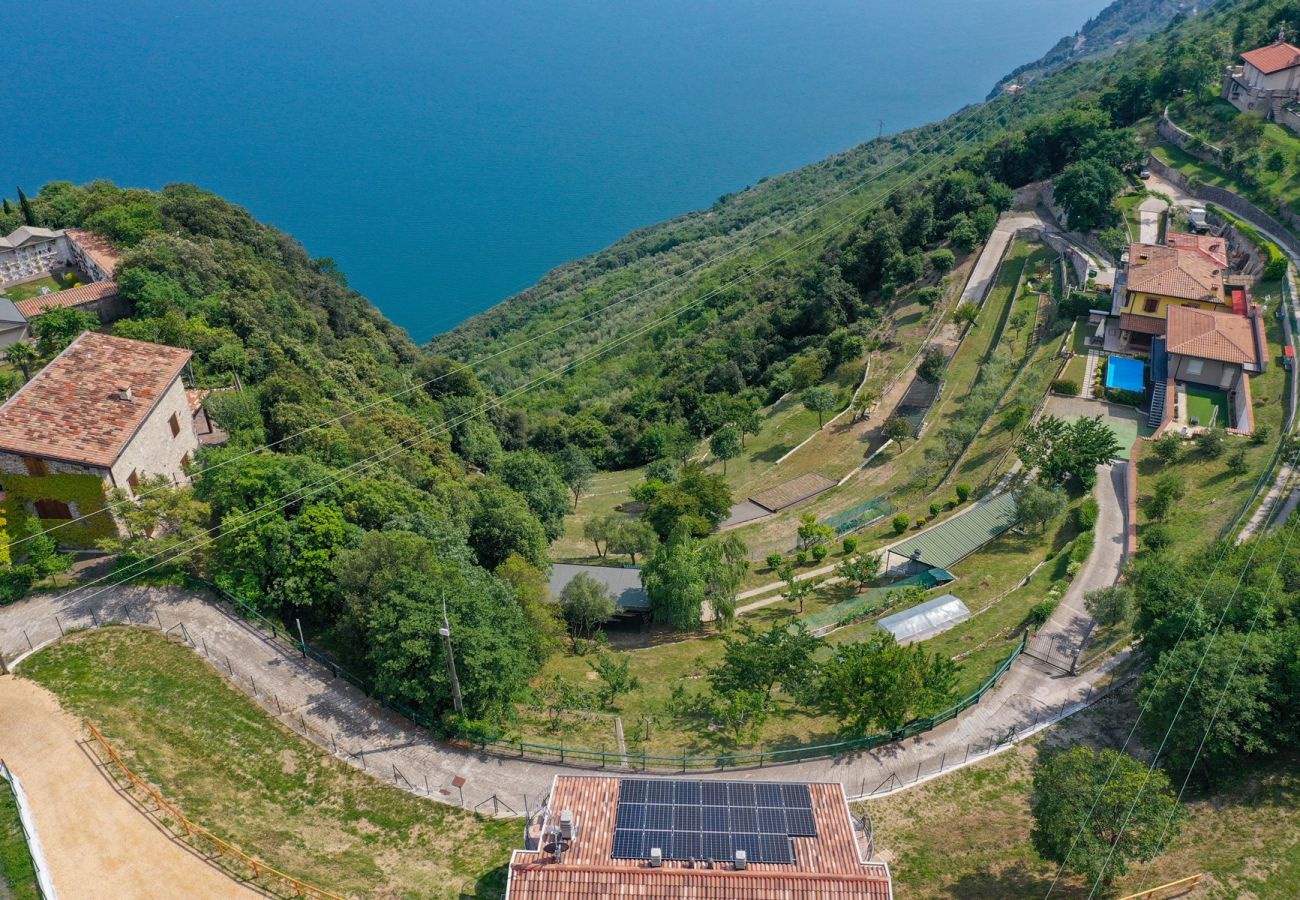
column 859, row 516
column 873, row 599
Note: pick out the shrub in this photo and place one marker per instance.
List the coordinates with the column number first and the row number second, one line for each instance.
column 1157, row 536
column 963, row 491
column 1237, row 463
column 1073, row 567
column 935, row 508
column 1041, row 611
column 1086, row 515
column 920, row 521
column 774, row 561
column 850, row 545
column 900, row 523
column 1167, row 447
column 1212, row 442
column 1082, row 547
column 801, row 558
column 1124, row 398
column 819, row 552
column 1261, row 435
column 1065, row 386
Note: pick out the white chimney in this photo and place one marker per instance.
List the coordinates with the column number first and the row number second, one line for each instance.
column 124, row 392
column 742, row 860
column 656, row 858
column 566, row 825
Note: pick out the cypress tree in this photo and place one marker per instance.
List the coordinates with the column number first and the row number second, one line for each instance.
column 28, row 216
column 7, row 208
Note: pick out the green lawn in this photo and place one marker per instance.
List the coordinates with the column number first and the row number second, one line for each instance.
column 1207, row 406
column 1205, row 173
column 233, row 769
column 967, row 834
column 17, row 876
column 29, row 289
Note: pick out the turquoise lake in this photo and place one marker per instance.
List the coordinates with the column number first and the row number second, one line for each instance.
column 447, row 154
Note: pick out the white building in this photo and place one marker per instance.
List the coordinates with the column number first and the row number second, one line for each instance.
column 31, row 253
column 1267, row 82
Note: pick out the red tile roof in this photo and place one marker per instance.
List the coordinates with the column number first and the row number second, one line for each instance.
column 1212, row 335
column 96, row 246
column 1141, row 324
column 78, row 296
column 70, row 410
column 1273, row 58
column 1174, row 272
column 826, row 866
column 1216, row 248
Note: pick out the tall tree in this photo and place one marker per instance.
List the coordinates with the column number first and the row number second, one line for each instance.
column 576, row 470
column 29, row 217
column 1086, row 191
column 762, row 660
column 878, row 684
column 586, row 603
column 725, row 444
column 820, row 399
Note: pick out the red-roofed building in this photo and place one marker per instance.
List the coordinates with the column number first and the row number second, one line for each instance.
column 1217, row 351
column 687, row 839
column 30, row 254
column 109, row 408
column 1267, row 82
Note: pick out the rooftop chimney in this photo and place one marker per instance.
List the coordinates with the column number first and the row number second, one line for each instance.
column 124, row 392
column 566, row 825
column 742, row 860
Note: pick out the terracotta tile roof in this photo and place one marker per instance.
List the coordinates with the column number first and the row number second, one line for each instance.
column 70, row 410
column 1172, row 272
column 1141, row 324
column 1216, row 248
column 96, row 246
column 827, row 866
column 1273, row 58
column 194, row 398
column 77, row 296
column 1212, row 335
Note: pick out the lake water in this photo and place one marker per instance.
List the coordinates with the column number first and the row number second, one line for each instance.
column 446, row 154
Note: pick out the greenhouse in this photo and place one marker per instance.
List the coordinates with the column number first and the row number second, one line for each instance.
column 926, row 619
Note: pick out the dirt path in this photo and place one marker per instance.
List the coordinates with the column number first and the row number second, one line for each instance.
column 97, row 843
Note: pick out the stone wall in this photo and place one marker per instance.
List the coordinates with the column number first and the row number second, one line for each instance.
column 1236, row 205
column 1078, row 262
column 1188, row 142
column 153, row 450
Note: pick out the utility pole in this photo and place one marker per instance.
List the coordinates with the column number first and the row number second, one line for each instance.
column 880, row 128
column 445, row 631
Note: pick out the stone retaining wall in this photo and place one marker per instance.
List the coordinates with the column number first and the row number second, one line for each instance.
column 1188, row 142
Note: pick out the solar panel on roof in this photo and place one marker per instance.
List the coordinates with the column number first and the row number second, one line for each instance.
column 686, row 792
column 632, row 790
column 715, row 845
column 686, row 818
column 714, row 818
column 659, row 815
column 747, row 841
column 659, row 792
column 686, row 845
column 741, row 793
column 627, row 844
column 661, row 839
column 800, row 823
column 775, row 848
column 744, row 818
column 630, row 815
column 769, row 794
column 796, row 796
column 714, row 792
column 771, row 820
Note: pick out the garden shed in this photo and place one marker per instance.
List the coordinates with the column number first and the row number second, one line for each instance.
column 926, row 619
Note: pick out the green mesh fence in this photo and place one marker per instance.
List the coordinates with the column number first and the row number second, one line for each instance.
column 859, row 516
column 873, row 599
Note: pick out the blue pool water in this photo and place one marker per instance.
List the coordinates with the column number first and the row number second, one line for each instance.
column 1126, row 374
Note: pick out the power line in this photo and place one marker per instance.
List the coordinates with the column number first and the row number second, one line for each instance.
column 468, row 367
column 208, row 536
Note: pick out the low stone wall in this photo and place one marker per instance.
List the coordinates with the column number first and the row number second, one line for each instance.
column 1188, row 142
column 1077, row 260
column 1236, row 205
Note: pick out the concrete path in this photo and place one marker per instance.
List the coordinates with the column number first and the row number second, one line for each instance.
column 1088, row 389
column 1263, row 513
column 986, row 268
column 1149, row 212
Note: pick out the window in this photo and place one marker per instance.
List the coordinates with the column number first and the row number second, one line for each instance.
column 175, row 424
column 52, row 509
column 1194, row 366
column 134, row 480
column 35, row 466
column 1151, row 304
column 185, row 462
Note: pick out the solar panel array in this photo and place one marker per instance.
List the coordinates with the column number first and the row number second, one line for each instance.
column 711, row 819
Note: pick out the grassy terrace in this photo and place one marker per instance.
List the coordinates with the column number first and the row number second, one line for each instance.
column 17, row 877
column 231, row 768
column 1205, row 173
column 967, row 834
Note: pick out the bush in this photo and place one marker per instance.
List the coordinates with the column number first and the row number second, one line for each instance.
column 1081, row 549
column 1261, row 435
column 850, row 545
column 920, row 521
column 774, row 561
column 936, row 508
column 801, row 558
column 819, row 552
column 1041, row 611
column 963, row 491
column 900, row 523
column 1065, row 386
column 1124, row 398
column 1157, row 536
column 1212, row 442
column 1086, row 515
column 1167, row 447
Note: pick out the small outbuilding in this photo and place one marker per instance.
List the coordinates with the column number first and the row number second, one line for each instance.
column 624, row 585
column 13, row 324
column 925, row 620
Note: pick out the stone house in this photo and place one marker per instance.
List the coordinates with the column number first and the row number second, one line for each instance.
column 106, row 413
column 1267, row 82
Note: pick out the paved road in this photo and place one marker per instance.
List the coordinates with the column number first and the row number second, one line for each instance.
column 1149, row 219
column 337, row 716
